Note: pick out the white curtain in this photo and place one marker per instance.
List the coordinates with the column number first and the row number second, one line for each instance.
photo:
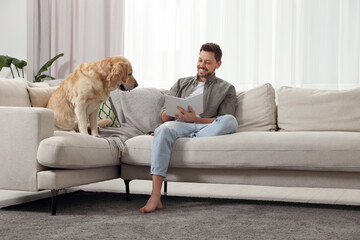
column 83, row 30
column 303, row 43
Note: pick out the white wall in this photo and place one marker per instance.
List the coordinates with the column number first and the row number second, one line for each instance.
column 13, row 31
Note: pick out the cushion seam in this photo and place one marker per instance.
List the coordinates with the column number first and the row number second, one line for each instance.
column 261, row 150
column 61, row 146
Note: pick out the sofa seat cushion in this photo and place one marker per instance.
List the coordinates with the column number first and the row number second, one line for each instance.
column 70, row 150
column 318, row 151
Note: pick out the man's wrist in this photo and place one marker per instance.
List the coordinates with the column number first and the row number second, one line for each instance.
column 197, row 119
column 203, row 120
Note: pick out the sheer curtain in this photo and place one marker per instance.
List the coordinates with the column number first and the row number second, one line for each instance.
column 303, row 43
column 83, row 30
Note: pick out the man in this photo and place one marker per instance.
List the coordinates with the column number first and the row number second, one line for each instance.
column 217, row 119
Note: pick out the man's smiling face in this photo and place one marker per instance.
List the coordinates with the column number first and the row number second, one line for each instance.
column 207, row 65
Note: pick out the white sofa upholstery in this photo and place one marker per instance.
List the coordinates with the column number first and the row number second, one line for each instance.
column 35, row 157
column 300, row 151
column 284, row 159
column 310, row 138
column 312, row 152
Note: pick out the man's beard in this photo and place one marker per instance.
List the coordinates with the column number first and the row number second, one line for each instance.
column 207, row 75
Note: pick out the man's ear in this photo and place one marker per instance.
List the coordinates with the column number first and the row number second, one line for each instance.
column 218, row 64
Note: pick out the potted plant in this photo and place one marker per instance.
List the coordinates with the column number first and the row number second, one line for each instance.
column 7, row 61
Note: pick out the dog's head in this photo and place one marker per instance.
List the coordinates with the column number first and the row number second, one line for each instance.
column 120, row 74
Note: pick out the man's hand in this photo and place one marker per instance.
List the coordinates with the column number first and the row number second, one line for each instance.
column 186, row 116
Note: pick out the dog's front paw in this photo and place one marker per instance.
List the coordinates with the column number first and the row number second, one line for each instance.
column 95, row 133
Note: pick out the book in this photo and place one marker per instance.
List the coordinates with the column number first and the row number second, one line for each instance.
column 171, row 102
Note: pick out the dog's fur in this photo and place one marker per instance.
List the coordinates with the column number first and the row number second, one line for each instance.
column 79, row 96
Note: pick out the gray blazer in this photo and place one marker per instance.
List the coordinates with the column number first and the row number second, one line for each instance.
column 219, row 95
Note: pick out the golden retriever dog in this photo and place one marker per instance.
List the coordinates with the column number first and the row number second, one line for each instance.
column 79, row 96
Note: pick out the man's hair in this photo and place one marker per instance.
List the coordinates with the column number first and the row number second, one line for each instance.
column 212, row 47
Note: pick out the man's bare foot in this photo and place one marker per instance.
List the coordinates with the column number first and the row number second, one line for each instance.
column 154, row 203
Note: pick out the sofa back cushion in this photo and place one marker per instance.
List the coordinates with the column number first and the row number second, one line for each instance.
column 256, row 110
column 141, row 107
column 39, row 96
column 318, row 110
column 13, row 92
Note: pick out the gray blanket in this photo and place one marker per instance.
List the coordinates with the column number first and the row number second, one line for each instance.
column 116, row 137
column 138, row 113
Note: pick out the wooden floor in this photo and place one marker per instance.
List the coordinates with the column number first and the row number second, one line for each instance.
column 304, row 195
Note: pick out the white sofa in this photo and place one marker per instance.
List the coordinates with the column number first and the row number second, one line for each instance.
column 310, row 138
column 35, row 157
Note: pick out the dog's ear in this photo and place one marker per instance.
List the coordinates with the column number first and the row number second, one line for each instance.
column 116, row 74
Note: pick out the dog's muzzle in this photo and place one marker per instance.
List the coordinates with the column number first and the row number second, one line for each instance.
column 124, row 88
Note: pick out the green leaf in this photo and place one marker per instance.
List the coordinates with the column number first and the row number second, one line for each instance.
column 8, row 61
column 38, row 78
column 2, row 61
column 48, row 64
column 19, row 63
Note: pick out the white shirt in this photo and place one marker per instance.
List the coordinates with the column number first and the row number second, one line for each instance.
column 199, row 89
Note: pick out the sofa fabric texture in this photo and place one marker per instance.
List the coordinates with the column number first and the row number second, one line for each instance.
column 65, row 178
column 319, row 145
column 70, row 150
column 39, row 96
column 256, row 109
column 13, row 92
column 318, row 110
column 22, row 129
column 320, row 151
column 265, row 177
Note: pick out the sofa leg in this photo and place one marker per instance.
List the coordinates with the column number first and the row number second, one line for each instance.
column 127, row 188
column 54, row 194
column 165, row 187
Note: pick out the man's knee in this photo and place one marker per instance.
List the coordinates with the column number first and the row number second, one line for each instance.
column 229, row 121
column 165, row 128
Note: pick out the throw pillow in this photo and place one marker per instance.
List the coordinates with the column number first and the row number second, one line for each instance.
column 318, row 110
column 139, row 108
column 256, row 110
column 39, row 96
column 106, row 112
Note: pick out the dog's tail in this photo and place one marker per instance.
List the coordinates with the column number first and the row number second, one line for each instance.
column 57, row 127
column 106, row 122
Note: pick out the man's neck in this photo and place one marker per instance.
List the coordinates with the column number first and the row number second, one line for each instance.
column 200, row 79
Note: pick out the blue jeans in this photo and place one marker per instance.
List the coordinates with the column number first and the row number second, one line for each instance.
column 168, row 132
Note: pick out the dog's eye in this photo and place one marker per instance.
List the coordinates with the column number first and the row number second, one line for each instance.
column 130, row 74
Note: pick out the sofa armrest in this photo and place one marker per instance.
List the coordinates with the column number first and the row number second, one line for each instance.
column 21, row 130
